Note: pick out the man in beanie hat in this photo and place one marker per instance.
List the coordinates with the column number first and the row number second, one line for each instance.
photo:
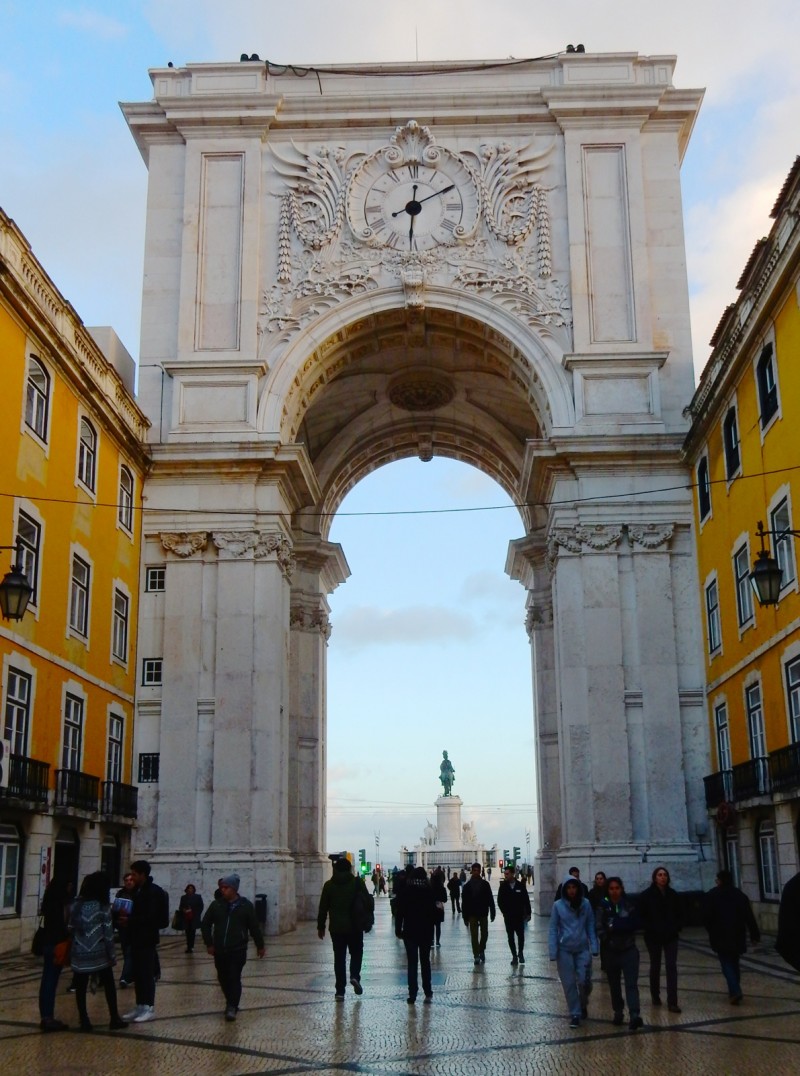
column 348, row 905
column 227, row 926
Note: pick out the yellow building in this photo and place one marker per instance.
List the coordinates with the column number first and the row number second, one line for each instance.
column 71, row 475
column 744, row 447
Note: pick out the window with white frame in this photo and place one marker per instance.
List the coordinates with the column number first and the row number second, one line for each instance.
column 730, row 444
column 767, row 384
column 781, row 524
column 723, row 736
column 125, row 505
column 17, row 723
column 37, row 398
column 72, row 747
column 712, row 617
column 79, row 596
column 768, row 861
column 757, row 734
column 151, row 672
column 155, row 579
column 29, row 540
column 87, row 455
column 793, row 698
column 744, row 591
column 732, row 854
column 703, row 488
column 116, row 728
column 10, row 864
column 119, row 631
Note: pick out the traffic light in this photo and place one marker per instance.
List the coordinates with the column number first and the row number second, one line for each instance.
column 500, row 864
column 517, row 855
column 506, row 855
column 362, row 856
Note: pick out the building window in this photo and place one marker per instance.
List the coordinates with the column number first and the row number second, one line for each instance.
column 730, row 442
column 10, row 863
column 29, row 539
column 119, row 643
column 155, row 579
column 37, row 398
column 87, row 455
column 744, row 591
column 732, row 854
column 767, row 385
column 151, row 672
column 712, row 617
column 148, row 768
column 79, row 597
column 723, row 736
column 18, row 711
column 125, row 506
column 768, row 862
column 757, row 735
column 781, row 523
column 793, row 695
column 116, row 729
column 703, row 488
column 73, row 733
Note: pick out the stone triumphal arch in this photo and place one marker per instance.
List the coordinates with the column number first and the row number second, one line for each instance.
column 348, row 266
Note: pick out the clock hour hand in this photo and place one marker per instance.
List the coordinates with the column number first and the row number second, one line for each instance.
column 436, row 194
column 411, row 207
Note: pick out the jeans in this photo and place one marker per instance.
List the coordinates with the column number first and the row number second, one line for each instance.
column 623, row 963
column 144, row 974
column 572, row 969
column 354, row 941
column 48, row 985
column 229, row 975
column 476, row 924
column 418, row 950
column 127, row 964
column 516, row 937
column 730, row 969
column 106, row 978
column 670, row 949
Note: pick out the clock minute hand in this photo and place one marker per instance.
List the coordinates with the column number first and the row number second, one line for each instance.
column 436, row 194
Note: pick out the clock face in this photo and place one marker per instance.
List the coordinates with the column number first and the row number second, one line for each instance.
column 413, row 206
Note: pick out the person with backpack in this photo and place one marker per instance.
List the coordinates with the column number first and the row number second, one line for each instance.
column 227, row 927
column 150, row 914
column 348, row 909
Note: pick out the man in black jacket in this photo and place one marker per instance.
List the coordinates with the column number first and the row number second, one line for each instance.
column 227, row 927
column 477, row 905
column 729, row 918
column 142, row 927
column 515, row 907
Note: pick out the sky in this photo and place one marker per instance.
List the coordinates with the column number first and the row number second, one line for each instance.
column 428, row 650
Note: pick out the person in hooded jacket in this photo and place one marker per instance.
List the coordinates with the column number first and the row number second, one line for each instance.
column 662, row 917
column 414, row 917
column 515, row 908
column 336, row 906
column 572, row 941
column 617, row 919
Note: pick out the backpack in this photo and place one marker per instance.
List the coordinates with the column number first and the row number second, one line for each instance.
column 363, row 908
column 162, row 906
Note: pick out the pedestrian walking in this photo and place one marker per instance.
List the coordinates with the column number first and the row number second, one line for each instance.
column 454, row 887
column 54, row 916
column 414, row 920
column 347, row 907
column 92, row 951
column 575, row 873
column 729, row 919
column 477, row 906
column 227, row 927
column 788, row 941
column 572, row 941
column 120, row 913
column 617, row 920
column 191, row 909
column 515, row 908
column 662, row 918
column 440, row 897
column 144, row 922
column 598, row 890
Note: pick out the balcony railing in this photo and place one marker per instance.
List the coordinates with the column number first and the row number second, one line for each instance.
column 76, row 789
column 719, row 788
column 120, row 799
column 784, row 768
column 28, row 779
column 751, row 778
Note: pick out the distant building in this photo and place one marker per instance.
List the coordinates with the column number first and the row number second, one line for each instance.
column 743, row 448
column 71, row 476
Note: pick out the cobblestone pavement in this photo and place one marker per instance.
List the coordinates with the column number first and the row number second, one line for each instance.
column 487, row 1019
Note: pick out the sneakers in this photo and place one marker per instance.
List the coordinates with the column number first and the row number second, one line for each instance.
column 356, row 984
column 123, row 983
column 136, row 1011
column 483, row 958
column 636, row 1023
column 230, row 1013
column 428, row 999
column 148, row 1013
column 340, row 997
column 574, row 1021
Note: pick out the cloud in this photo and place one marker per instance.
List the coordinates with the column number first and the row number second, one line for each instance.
column 364, row 626
column 94, row 23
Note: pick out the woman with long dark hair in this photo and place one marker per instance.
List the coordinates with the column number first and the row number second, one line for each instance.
column 55, row 904
column 93, row 947
column 617, row 920
column 662, row 917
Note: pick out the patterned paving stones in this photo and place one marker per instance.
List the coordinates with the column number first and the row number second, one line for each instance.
column 486, row 1020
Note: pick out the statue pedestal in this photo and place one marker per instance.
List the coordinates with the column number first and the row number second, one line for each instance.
column 448, row 822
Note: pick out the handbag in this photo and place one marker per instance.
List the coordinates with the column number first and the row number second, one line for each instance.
column 37, row 942
column 61, row 952
column 177, row 920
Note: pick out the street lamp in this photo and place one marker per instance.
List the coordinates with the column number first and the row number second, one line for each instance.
column 15, row 590
column 767, row 573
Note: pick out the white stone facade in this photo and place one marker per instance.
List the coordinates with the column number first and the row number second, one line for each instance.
column 479, row 261
column 451, row 843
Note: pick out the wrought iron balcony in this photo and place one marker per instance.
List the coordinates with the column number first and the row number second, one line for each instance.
column 28, row 779
column 751, row 779
column 120, row 799
column 76, row 789
column 784, row 768
column 719, row 788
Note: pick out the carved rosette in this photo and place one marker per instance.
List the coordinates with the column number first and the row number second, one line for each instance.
column 310, row 619
column 184, row 543
column 651, row 535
